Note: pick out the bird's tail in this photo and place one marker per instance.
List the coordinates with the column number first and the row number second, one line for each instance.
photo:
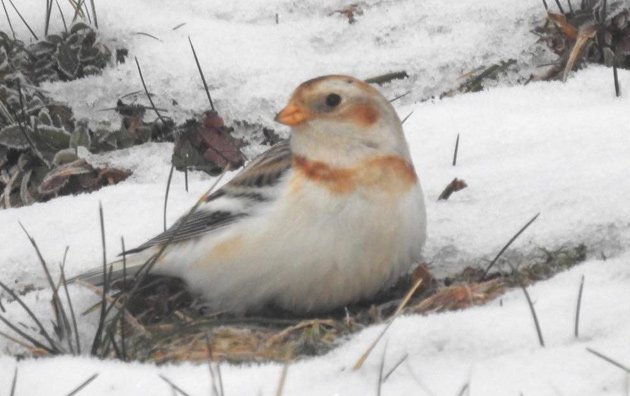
column 116, row 271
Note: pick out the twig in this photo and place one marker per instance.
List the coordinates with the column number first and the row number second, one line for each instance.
column 147, row 92
column 531, row 307
column 168, row 187
column 180, row 25
column 23, row 20
column 454, row 186
column 609, row 360
column 83, row 385
column 401, row 306
column 578, row 308
column 545, row 4
column 507, row 245
column 456, row 150
column 203, row 78
column 101, row 322
column 173, row 386
column 8, row 19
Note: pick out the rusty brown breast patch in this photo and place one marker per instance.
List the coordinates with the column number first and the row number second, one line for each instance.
column 386, row 174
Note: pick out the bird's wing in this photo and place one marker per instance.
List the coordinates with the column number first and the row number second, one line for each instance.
column 254, row 184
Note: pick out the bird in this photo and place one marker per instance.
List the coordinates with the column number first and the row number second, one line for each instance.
column 326, row 218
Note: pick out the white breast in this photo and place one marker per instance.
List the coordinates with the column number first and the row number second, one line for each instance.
column 307, row 251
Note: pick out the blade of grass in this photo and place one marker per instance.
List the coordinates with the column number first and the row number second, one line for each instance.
column 578, row 308
column 395, row 367
column 168, row 188
column 48, row 13
column 101, row 322
column 23, row 20
column 77, row 339
column 122, row 324
column 8, row 20
column 173, row 386
column 83, row 385
column 283, row 379
column 609, row 360
column 94, row 13
column 203, row 78
column 507, row 245
column 63, row 18
column 456, row 150
column 400, row 96
column 33, row 341
column 147, row 92
column 530, row 304
column 401, row 306
column 406, row 118
column 14, row 382
column 381, row 367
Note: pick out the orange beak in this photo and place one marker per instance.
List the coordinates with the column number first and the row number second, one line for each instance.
column 291, row 115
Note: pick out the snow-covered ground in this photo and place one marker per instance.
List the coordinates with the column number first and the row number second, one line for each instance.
column 559, row 149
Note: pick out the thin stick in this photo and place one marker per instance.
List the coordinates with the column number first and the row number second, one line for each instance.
column 63, row 18
column 147, row 92
column 173, row 386
column 531, row 308
column 83, row 385
column 8, row 19
column 180, row 25
column 168, row 188
column 101, row 321
column 545, row 4
column 609, row 360
column 23, row 20
column 14, row 382
column 203, row 78
column 456, row 150
column 401, row 306
column 578, row 308
column 507, row 245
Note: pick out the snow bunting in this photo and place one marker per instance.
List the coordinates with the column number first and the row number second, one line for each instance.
column 327, row 218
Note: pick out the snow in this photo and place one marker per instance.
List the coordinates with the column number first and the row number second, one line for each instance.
column 551, row 148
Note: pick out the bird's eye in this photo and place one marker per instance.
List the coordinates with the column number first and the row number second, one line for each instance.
column 333, row 100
